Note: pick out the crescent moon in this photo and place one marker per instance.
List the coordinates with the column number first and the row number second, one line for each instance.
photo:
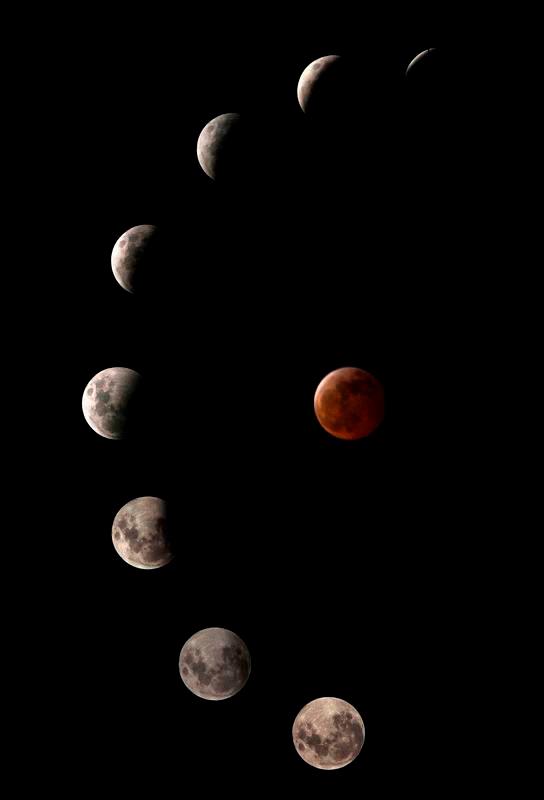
column 310, row 77
column 419, row 58
column 211, row 146
column 131, row 255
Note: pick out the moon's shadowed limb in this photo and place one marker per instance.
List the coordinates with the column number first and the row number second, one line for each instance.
column 138, row 257
column 349, row 403
column 112, row 402
column 140, row 533
column 328, row 733
column 214, row 664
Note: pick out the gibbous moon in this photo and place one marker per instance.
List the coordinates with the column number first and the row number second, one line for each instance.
column 109, row 400
column 220, row 146
column 140, row 533
column 319, row 87
column 349, row 403
column 328, row 733
column 133, row 256
column 214, row 664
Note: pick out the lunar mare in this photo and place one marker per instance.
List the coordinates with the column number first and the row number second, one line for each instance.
column 314, row 78
column 328, row 733
column 349, row 403
column 133, row 255
column 214, row 664
column 140, row 533
column 108, row 399
column 219, row 143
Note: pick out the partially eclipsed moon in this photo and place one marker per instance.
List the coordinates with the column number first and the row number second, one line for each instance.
column 315, row 86
column 328, row 733
column 420, row 59
column 133, row 254
column 140, row 533
column 108, row 399
column 214, row 664
column 349, row 403
column 220, row 145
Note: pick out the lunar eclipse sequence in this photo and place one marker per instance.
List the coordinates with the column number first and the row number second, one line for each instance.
column 215, row 664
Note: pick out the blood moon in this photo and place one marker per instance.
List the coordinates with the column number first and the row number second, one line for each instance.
column 349, row 403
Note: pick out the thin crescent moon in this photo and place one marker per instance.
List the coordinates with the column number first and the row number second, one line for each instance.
column 418, row 58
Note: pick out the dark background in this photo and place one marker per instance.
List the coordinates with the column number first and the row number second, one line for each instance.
column 332, row 560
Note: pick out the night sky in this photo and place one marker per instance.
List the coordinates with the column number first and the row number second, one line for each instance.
column 341, row 249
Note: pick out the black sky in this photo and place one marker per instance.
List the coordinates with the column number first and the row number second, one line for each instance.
column 342, row 251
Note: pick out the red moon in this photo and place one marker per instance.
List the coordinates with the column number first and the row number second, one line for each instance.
column 349, row 403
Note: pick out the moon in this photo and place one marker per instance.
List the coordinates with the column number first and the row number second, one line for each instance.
column 220, row 145
column 108, row 400
column 214, row 664
column 133, row 256
column 349, row 403
column 328, row 733
column 319, row 85
column 427, row 73
column 140, row 533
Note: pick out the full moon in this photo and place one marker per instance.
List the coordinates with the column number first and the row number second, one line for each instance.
column 349, row 403
column 133, row 256
column 140, row 533
column 328, row 733
column 109, row 399
column 214, row 664
column 220, row 147
column 319, row 85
